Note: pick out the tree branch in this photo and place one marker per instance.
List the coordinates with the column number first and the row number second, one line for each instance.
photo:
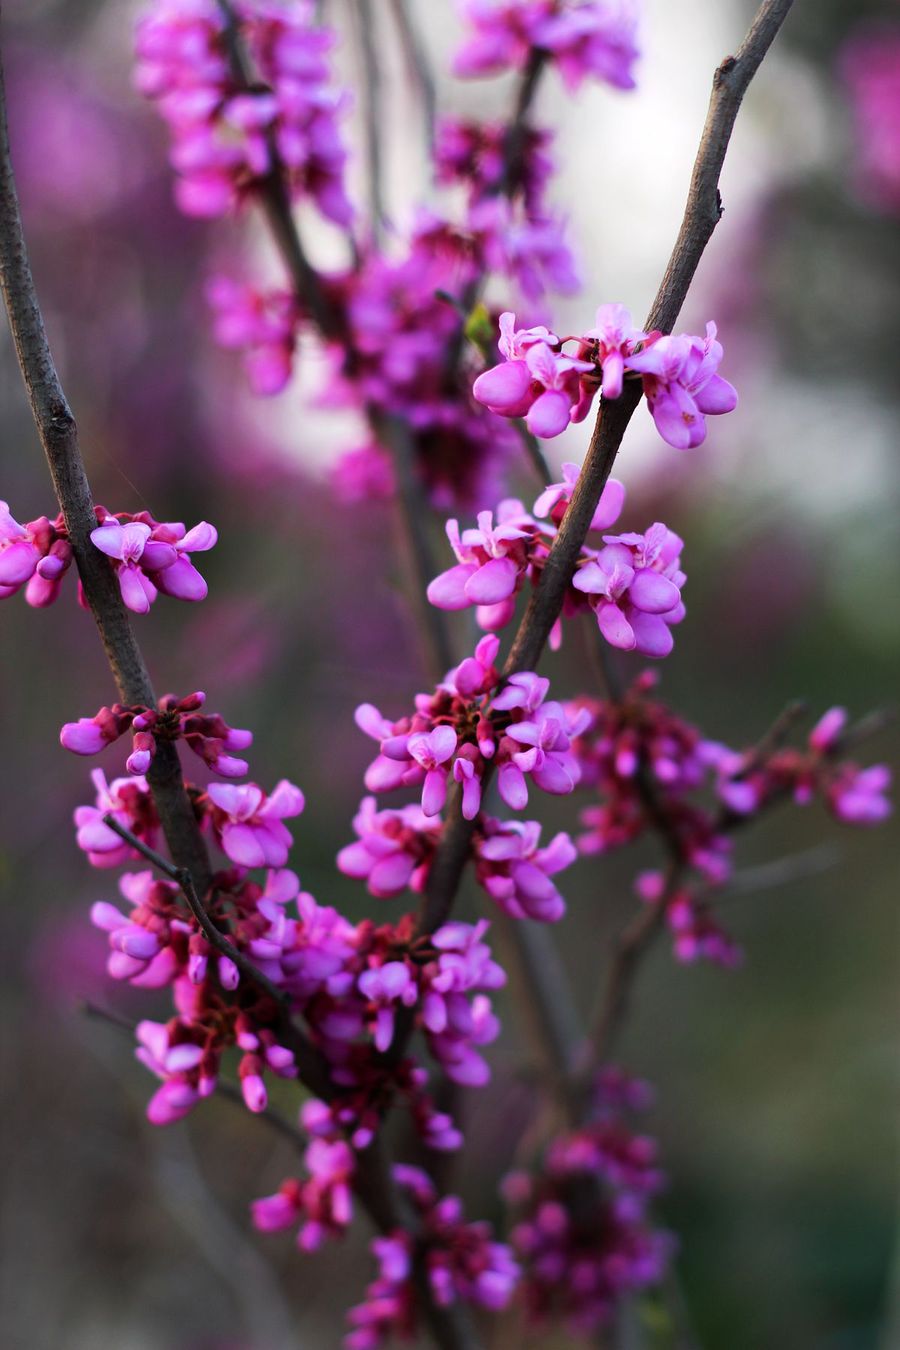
column 59, row 438
column 729, row 85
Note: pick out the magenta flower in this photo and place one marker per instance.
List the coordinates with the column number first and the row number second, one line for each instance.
column 432, row 750
column 153, row 557
column 382, row 987
column 222, row 132
column 634, row 585
column 554, row 499
column 491, row 566
column 597, row 38
column 857, row 796
column 682, row 386
column 613, row 340
column 248, row 824
column 261, row 324
column 18, row 556
column 394, row 849
column 585, row 37
column 128, row 800
column 515, row 871
column 536, row 381
column 322, row 1204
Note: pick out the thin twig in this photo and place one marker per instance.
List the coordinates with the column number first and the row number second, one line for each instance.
column 729, row 85
column 229, row 1091
column 59, row 438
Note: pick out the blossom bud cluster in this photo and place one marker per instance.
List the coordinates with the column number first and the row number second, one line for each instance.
column 537, row 380
column 207, row 734
column 582, row 1233
column 235, row 91
column 584, row 38
column 462, row 1262
column 35, row 555
column 637, row 744
column 633, row 584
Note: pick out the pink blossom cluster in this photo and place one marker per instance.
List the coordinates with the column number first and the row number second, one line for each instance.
column 351, row 982
column 747, row 782
column 235, row 92
column 870, row 67
column 394, row 850
column 469, row 723
column 322, row 1204
column 207, row 734
column 696, row 935
column 149, row 556
column 584, row 38
column 583, row 1234
column 34, row 555
column 633, row 584
column 462, row 1263
column 639, row 738
column 537, row 380
column 262, row 325
column 400, row 324
column 475, row 154
column 157, row 943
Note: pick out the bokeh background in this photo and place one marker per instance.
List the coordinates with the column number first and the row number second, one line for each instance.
column 777, row 1084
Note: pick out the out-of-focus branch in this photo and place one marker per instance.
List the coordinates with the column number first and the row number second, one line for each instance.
column 419, row 66
column 373, row 112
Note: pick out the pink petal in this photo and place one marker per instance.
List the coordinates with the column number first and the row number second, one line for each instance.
column 448, row 591
column 503, row 388
column 652, row 593
column 493, row 582
column 615, row 627
column 549, row 414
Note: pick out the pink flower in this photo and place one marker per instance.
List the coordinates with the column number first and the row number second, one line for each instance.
column 128, row 800
column 634, row 585
column 492, row 563
column 537, row 381
column 323, row 1203
column 150, row 557
column 222, row 131
column 394, row 849
column 261, row 324
column 591, row 38
column 249, row 825
column 682, row 386
column 554, row 500
column 382, row 987
column 857, row 796
column 613, row 341
column 597, row 38
column 18, row 556
column 515, row 871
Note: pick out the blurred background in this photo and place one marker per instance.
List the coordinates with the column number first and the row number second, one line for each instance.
column 778, row 1083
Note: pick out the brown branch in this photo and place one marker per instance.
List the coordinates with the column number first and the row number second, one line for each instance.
column 59, row 438
column 56, row 427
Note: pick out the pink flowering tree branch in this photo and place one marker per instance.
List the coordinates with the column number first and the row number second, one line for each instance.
column 191, row 870
column 254, row 963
